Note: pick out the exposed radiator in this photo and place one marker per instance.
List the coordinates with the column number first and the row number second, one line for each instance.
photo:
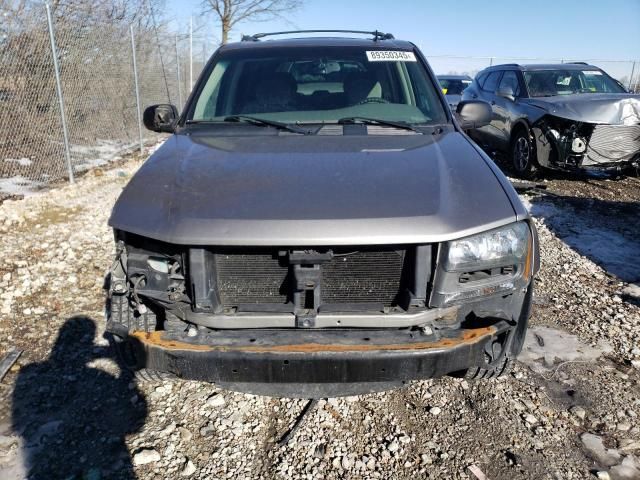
column 612, row 143
column 351, row 276
column 251, row 278
column 363, row 277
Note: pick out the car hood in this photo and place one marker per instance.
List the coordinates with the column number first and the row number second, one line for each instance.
column 613, row 109
column 294, row 190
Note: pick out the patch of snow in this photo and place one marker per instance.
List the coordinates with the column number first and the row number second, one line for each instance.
column 589, row 236
column 596, row 449
column 546, row 347
column 23, row 162
column 84, row 158
column 18, row 185
column 14, row 464
column 102, row 153
column 152, row 149
column 627, row 470
column 540, row 210
column 617, row 254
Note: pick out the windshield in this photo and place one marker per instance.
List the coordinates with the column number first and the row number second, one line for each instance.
column 453, row 86
column 318, row 85
column 546, row 83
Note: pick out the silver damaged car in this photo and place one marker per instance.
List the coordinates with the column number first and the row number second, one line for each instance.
column 571, row 116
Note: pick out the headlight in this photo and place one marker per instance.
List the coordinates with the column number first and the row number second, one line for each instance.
column 503, row 246
column 496, row 262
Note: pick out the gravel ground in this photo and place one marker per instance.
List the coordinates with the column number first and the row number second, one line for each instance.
column 69, row 411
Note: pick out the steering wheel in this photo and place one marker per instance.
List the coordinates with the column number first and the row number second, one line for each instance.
column 373, row 100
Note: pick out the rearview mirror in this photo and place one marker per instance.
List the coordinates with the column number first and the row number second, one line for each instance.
column 160, row 118
column 473, row 114
column 506, row 92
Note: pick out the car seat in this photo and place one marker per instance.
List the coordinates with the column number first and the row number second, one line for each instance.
column 276, row 93
column 359, row 86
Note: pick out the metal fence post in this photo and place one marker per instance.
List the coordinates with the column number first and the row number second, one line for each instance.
column 178, row 73
column 491, row 62
column 633, row 71
column 191, row 55
column 135, row 80
column 63, row 117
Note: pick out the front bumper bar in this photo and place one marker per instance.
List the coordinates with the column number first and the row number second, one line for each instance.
column 331, row 356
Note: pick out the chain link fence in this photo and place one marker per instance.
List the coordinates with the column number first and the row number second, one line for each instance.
column 60, row 118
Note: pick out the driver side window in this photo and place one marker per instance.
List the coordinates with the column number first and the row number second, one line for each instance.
column 510, row 80
column 491, row 83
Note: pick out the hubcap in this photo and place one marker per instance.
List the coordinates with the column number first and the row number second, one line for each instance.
column 521, row 153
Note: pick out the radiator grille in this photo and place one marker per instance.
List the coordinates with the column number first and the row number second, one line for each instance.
column 251, row 279
column 363, row 277
column 612, row 143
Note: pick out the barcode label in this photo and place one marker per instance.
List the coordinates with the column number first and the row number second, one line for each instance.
column 390, row 56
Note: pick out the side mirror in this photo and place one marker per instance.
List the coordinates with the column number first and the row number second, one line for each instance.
column 506, row 92
column 160, row 118
column 472, row 114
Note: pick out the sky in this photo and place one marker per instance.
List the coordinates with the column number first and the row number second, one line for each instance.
column 541, row 29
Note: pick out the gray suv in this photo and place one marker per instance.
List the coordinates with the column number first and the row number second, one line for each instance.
column 318, row 224
column 567, row 116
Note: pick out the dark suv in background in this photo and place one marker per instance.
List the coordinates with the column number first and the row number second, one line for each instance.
column 563, row 116
column 452, row 87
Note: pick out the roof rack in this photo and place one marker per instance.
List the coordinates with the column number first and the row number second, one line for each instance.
column 577, row 63
column 376, row 34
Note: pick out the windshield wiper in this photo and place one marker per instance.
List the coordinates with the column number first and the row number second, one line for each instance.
column 377, row 121
column 261, row 122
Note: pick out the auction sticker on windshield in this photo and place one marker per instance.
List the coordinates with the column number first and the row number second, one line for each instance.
column 390, row 56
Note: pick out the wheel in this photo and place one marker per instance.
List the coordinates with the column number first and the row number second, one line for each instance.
column 523, row 155
column 500, row 369
column 127, row 360
column 145, row 375
column 122, row 312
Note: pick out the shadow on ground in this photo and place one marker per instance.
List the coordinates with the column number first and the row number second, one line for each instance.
column 606, row 232
column 72, row 415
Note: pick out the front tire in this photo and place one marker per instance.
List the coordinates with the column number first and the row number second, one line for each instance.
column 523, row 155
column 120, row 310
column 126, row 358
column 502, row 368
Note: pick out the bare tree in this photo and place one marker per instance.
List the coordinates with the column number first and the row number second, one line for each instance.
column 230, row 12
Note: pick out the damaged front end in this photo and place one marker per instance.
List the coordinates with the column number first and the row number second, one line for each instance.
column 569, row 144
column 323, row 320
